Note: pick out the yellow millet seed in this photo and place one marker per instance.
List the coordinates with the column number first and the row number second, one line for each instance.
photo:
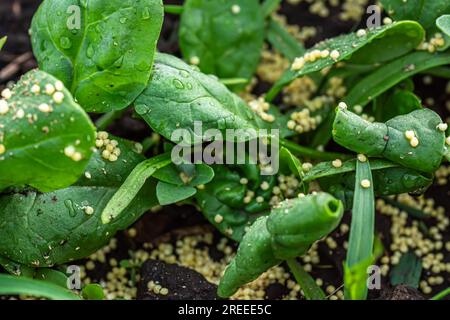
column 365, row 184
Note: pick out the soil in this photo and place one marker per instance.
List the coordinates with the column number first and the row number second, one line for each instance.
column 168, row 224
column 182, row 283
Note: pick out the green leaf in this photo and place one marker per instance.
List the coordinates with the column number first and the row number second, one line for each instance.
column 270, row 6
column 52, row 276
column 391, row 74
column 2, row 42
column 361, row 241
column 443, row 23
column 178, row 96
column 106, row 61
column 93, row 292
column 423, row 11
column 399, row 102
column 355, row 277
column 378, row 45
column 388, row 139
column 46, row 229
column 441, row 295
column 283, row 41
column 54, row 139
column 290, row 163
column 132, row 185
column 11, row 285
column 407, row 271
column 288, row 232
column 309, row 287
column 208, row 29
column 168, row 193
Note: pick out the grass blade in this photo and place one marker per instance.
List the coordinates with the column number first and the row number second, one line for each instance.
column 130, row 188
column 283, row 41
column 361, row 242
column 11, row 285
column 441, row 295
column 311, row 290
column 269, row 6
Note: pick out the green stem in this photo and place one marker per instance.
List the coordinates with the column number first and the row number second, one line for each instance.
column 108, row 118
column 132, row 185
column 441, row 294
column 173, row 9
column 233, row 81
column 311, row 290
column 312, row 153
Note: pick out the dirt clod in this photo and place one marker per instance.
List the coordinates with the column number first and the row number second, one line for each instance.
column 182, row 283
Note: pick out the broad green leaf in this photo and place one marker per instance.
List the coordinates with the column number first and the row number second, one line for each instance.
column 2, row 42
column 46, row 229
column 178, row 183
column 388, row 139
column 169, row 193
column 399, row 102
column 44, row 144
column 283, row 41
column 11, row 285
column 222, row 201
column 386, row 181
column 391, row 74
column 361, row 241
column 106, row 57
column 423, row 11
column 178, row 96
column 378, row 45
column 307, row 283
column 226, row 36
column 131, row 187
column 290, row 164
column 93, row 291
column 407, row 271
column 443, row 23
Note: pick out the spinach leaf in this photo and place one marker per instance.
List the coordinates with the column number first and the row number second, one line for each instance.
column 11, row 285
column 93, row 291
column 46, row 229
column 226, row 203
column 269, row 6
column 408, row 271
column 443, row 23
column 391, row 74
column 412, row 140
column 225, row 36
column 378, row 45
column 45, row 137
column 288, row 232
column 178, row 183
column 178, row 96
column 423, row 11
column 106, row 58
column 398, row 102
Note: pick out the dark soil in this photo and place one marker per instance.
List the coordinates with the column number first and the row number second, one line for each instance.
column 183, row 283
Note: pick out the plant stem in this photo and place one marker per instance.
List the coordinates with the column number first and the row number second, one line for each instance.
column 108, row 118
column 441, row 294
column 311, row 290
column 173, row 9
column 310, row 152
column 233, row 81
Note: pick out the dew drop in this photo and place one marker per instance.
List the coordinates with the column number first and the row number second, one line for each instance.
column 142, row 109
column 65, row 43
column 69, row 205
column 178, row 84
column 90, row 52
column 146, row 14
